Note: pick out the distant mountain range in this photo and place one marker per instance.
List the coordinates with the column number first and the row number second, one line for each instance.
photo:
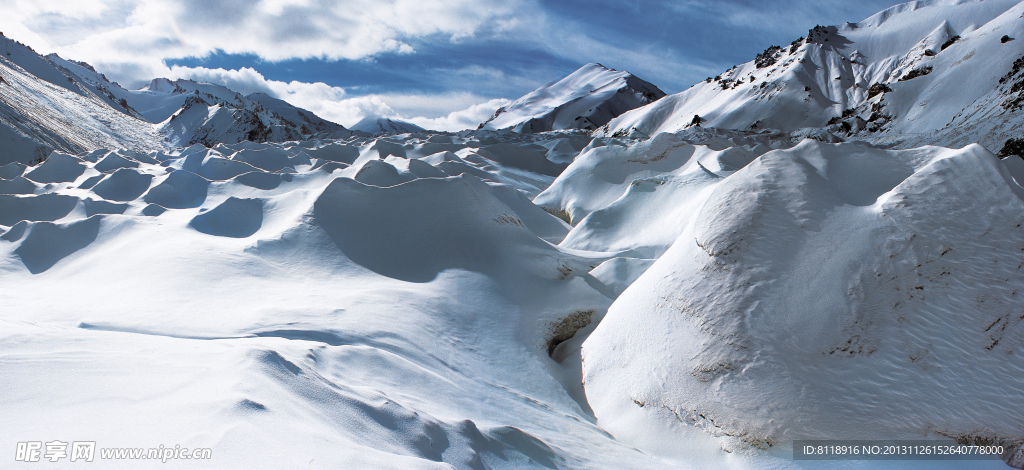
column 946, row 73
column 50, row 103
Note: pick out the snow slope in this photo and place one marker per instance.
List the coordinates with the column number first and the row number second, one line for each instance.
column 586, row 99
column 834, row 78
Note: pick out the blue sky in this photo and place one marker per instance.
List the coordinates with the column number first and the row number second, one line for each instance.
column 444, row 65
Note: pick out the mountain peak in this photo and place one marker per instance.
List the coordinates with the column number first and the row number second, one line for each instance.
column 382, row 125
column 586, row 99
column 162, row 85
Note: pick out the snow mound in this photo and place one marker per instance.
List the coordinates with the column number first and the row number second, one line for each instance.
column 827, row 290
column 313, row 291
column 16, row 185
column 40, row 245
column 48, row 207
column 380, row 173
column 124, row 184
column 178, row 190
column 58, row 168
column 12, row 170
column 235, row 218
column 113, row 161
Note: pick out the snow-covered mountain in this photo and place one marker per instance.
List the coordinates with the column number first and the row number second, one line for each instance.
column 190, row 112
column 586, row 99
column 50, row 103
column 925, row 72
column 44, row 107
column 381, row 125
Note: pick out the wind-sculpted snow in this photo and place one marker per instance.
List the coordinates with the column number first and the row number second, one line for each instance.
column 826, row 290
column 300, row 298
column 422, row 301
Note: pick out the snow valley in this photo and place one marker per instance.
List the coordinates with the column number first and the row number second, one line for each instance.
column 823, row 243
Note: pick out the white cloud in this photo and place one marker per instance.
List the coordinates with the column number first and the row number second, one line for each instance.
column 463, row 110
column 468, row 118
column 129, row 40
column 329, row 102
column 112, row 33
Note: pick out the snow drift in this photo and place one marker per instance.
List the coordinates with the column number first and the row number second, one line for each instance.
column 832, row 291
column 757, row 289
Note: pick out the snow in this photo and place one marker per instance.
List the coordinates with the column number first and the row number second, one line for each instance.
column 51, row 103
column 125, row 184
column 309, row 305
column 827, row 290
column 18, row 146
column 300, row 117
column 162, row 99
column 304, row 232
column 200, row 268
column 58, row 168
column 235, row 218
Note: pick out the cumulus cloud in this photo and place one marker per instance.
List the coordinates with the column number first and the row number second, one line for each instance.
column 335, row 104
column 468, row 118
column 152, row 30
column 130, row 40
